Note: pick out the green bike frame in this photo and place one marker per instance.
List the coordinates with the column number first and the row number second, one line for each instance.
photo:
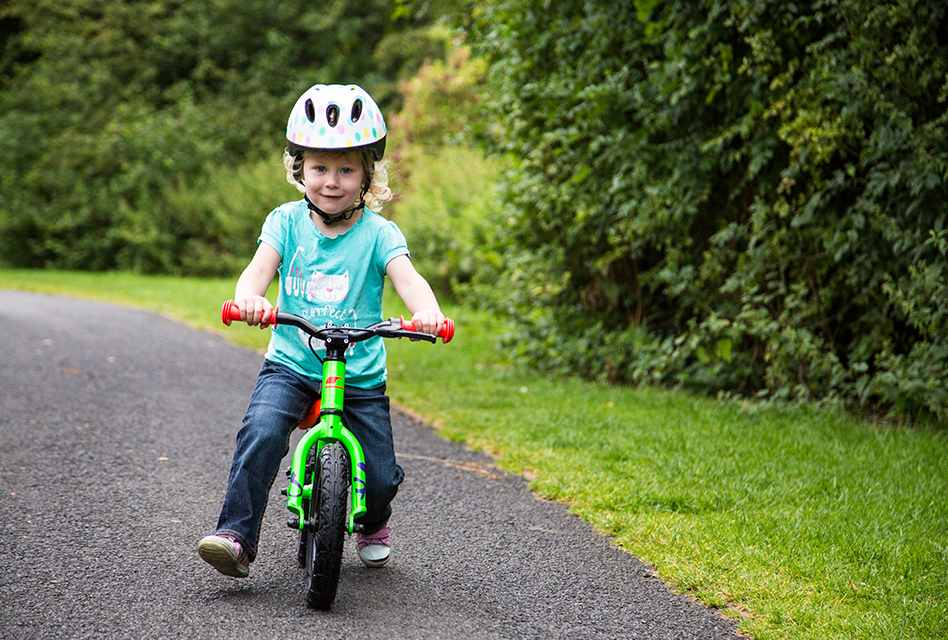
column 328, row 429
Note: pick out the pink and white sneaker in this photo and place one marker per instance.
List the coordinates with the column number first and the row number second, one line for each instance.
column 226, row 555
column 375, row 549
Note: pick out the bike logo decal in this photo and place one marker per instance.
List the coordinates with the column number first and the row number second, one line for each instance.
column 295, row 489
column 358, row 484
column 333, row 382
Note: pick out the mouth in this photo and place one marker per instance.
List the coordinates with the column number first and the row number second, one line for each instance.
column 332, row 197
column 335, row 204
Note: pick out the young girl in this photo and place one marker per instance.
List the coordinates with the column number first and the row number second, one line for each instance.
column 332, row 252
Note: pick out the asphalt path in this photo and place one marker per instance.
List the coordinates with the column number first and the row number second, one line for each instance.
column 116, row 433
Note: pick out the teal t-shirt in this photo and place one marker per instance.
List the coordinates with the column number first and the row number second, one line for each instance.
column 331, row 281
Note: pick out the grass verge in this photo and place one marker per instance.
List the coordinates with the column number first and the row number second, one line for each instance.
column 802, row 524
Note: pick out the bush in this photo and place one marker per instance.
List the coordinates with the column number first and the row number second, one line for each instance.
column 727, row 195
column 447, row 212
column 448, row 201
column 206, row 229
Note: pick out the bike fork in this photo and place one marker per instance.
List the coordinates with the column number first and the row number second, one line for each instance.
column 328, row 429
column 301, row 487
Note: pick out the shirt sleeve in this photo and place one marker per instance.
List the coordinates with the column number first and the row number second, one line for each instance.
column 390, row 244
column 274, row 230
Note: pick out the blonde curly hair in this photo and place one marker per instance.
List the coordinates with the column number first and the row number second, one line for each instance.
column 376, row 172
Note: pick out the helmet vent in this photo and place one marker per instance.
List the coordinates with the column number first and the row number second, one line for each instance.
column 310, row 111
column 356, row 110
column 332, row 115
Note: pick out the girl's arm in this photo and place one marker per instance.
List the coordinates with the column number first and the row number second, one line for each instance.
column 417, row 295
column 253, row 284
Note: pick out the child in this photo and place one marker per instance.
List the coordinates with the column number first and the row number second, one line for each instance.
column 332, row 252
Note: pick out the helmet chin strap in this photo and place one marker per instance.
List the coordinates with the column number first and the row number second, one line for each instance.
column 339, row 217
column 342, row 215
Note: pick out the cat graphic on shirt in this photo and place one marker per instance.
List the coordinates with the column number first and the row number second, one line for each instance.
column 327, row 287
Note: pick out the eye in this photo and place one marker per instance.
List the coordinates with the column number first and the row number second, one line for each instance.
column 310, row 111
column 356, row 110
column 332, row 115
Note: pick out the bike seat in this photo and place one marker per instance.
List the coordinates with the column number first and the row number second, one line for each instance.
column 312, row 415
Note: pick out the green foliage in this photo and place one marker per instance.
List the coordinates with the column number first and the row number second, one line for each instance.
column 448, row 202
column 447, row 212
column 210, row 227
column 732, row 195
column 442, row 101
column 110, row 109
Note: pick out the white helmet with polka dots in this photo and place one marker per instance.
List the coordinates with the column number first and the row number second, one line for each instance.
column 335, row 117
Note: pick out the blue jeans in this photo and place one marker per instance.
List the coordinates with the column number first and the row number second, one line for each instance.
column 277, row 406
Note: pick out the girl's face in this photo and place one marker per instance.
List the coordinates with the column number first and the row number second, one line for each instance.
column 333, row 181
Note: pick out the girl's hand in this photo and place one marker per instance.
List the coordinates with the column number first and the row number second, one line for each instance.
column 428, row 322
column 255, row 310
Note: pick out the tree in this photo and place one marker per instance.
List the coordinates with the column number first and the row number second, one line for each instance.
column 106, row 107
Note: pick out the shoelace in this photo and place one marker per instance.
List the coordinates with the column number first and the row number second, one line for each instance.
column 243, row 558
column 382, row 536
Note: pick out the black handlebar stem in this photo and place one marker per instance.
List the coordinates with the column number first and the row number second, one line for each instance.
column 391, row 328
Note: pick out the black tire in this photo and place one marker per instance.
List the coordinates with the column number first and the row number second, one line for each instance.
column 324, row 541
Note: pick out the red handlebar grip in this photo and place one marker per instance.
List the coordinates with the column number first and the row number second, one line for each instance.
column 230, row 312
column 447, row 329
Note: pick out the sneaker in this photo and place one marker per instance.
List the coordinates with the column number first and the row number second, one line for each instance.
column 226, row 555
column 375, row 549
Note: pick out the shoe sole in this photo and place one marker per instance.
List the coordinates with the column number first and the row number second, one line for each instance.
column 220, row 555
column 376, row 563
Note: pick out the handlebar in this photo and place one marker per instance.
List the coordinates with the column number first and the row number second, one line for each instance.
column 391, row 328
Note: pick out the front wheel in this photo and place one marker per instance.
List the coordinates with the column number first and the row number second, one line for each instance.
column 325, row 530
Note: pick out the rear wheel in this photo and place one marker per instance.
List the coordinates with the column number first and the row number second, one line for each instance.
column 325, row 530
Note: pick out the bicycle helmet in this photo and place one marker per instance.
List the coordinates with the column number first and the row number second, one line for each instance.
column 335, row 117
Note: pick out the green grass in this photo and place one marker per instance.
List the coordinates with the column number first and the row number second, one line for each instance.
column 800, row 523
